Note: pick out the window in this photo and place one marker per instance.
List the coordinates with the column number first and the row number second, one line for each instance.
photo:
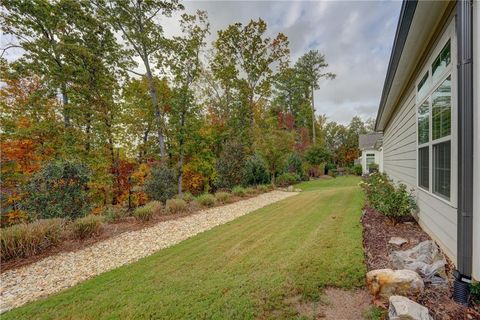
column 441, row 169
column 423, row 167
column 434, row 125
column 441, row 110
column 370, row 159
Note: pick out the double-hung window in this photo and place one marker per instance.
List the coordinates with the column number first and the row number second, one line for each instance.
column 434, row 124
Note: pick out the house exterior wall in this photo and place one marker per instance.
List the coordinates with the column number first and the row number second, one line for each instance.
column 378, row 159
column 436, row 216
column 476, row 147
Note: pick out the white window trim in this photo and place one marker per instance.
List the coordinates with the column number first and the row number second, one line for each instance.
column 451, row 70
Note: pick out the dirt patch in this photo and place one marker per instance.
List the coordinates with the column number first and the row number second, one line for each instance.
column 377, row 232
column 333, row 305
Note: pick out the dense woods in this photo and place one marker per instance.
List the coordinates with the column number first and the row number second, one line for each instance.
column 102, row 108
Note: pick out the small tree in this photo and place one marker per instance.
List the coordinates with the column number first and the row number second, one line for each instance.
column 256, row 171
column 294, row 164
column 230, row 165
column 317, row 155
column 58, row 190
column 161, row 184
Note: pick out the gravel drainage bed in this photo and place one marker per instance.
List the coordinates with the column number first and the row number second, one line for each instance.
column 57, row 272
column 378, row 230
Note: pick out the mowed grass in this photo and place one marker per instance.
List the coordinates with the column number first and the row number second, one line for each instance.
column 245, row 269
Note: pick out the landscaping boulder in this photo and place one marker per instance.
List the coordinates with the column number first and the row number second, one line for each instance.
column 402, row 308
column 425, row 258
column 397, row 241
column 290, row 189
column 387, row 282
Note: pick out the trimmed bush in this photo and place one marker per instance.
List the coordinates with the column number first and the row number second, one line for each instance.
column 256, row 171
column 387, row 198
column 222, row 197
column 206, row 199
column 25, row 240
column 58, row 190
column 87, row 227
column 287, row 179
column 239, row 191
column 161, row 184
column 175, row 205
column 357, row 170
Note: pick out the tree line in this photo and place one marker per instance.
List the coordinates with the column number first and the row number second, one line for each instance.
column 100, row 85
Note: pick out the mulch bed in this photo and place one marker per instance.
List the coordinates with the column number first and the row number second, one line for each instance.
column 377, row 232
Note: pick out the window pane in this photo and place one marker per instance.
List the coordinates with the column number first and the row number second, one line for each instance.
column 423, row 167
column 422, row 87
column 441, row 169
column 441, row 109
column 442, row 61
column 423, row 123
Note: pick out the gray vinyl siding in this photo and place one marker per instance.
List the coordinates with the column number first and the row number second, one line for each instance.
column 438, row 218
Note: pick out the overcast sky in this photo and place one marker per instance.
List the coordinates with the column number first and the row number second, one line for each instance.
column 355, row 36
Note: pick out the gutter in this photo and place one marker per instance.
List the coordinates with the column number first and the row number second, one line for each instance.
column 463, row 274
column 403, row 27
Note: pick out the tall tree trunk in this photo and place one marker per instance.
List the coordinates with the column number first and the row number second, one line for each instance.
column 181, row 143
column 314, row 136
column 158, row 114
column 88, row 131
column 66, row 116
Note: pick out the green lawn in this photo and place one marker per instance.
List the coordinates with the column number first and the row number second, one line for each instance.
column 245, row 269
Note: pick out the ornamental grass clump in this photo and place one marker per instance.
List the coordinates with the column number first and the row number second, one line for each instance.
column 25, row 240
column 175, row 206
column 206, row 200
column 251, row 191
column 146, row 212
column 239, row 191
column 87, row 227
column 394, row 201
column 223, row 197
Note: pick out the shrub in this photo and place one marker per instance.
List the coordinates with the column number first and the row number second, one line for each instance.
column 251, row 191
column 58, row 190
column 263, row 188
column 230, row 165
column 222, row 197
column 187, row 196
column 391, row 200
column 316, row 155
column 239, row 191
column 161, row 184
column 294, row 164
column 256, row 171
column 25, row 240
column 206, row 199
column 475, row 292
column 114, row 213
column 287, row 179
column 86, row 227
column 175, row 205
column 357, row 170
column 146, row 212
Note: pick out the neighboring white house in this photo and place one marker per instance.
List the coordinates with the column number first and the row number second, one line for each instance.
column 370, row 145
column 430, row 119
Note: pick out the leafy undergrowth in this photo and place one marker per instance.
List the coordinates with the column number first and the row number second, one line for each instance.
column 245, row 269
